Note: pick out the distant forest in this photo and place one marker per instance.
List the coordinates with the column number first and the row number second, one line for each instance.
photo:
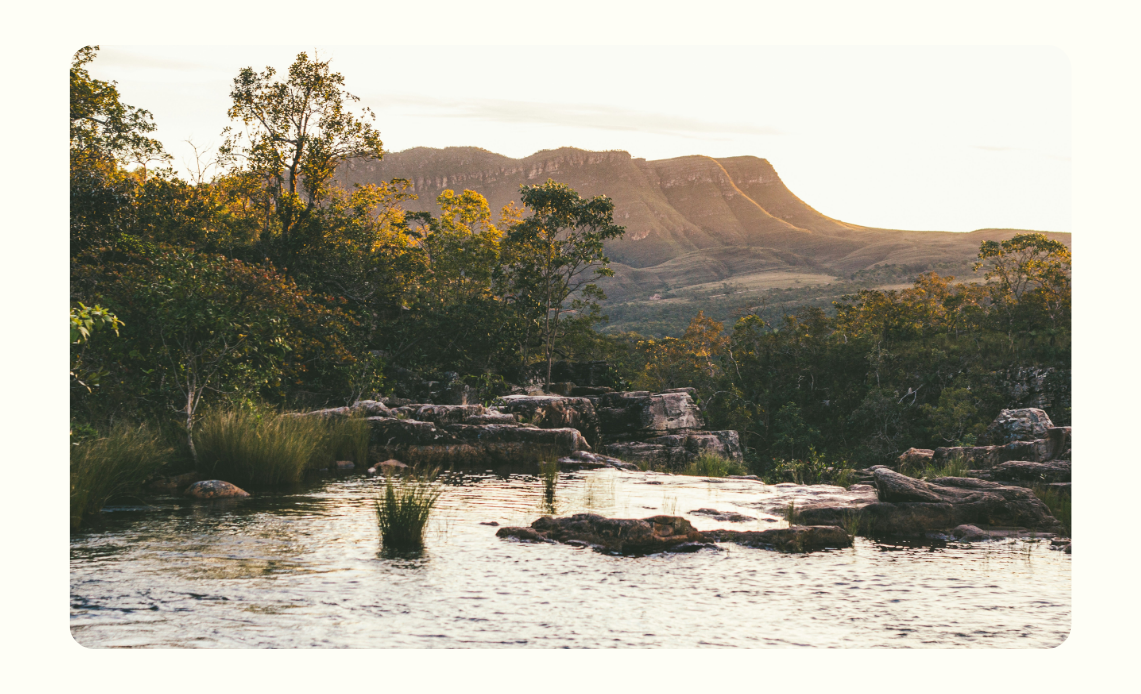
column 259, row 283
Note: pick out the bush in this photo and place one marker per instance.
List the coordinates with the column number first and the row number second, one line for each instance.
column 115, row 464
column 260, row 449
column 712, row 465
column 810, row 470
column 403, row 513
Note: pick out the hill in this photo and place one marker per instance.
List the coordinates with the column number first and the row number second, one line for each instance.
column 690, row 221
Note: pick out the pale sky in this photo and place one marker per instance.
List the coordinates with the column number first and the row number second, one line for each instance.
column 924, row 138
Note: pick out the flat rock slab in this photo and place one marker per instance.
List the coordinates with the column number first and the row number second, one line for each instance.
column 215, row 489
column 667, row 534
column 1029, row 471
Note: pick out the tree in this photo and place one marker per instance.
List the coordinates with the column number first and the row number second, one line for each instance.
column 1029, row 269
column 294, row 135
column 551, row 253
column 85, row 321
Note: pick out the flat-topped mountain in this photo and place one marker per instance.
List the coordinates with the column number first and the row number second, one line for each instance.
column 689, row 220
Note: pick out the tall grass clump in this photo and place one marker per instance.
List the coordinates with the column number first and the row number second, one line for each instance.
column 346, row 438
column 843, row 478
column 791, row 514
column 114, row 464
column 953, row 467
column 259, row 449
column 1057, row 501
column 713, row 465
column 403, row 513
column 549, row 471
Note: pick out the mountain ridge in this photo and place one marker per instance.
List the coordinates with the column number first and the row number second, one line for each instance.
column 689, row 210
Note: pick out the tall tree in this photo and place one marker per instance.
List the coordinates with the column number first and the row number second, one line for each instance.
column 294, row 134
column 554, row 255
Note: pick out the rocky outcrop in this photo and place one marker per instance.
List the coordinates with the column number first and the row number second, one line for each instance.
column 417, row 442
column 667, row 534
column 675, row 451
column 639, row 415
column 906, row 506
column 553, row 412
column 361, row 408
column 986, row 457
column 214, row 489
column 1027, row 424
column 1027, row 471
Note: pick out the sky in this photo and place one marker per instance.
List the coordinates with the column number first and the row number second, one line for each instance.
column 922, row 138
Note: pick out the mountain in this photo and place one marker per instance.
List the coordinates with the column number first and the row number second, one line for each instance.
column 689, row 221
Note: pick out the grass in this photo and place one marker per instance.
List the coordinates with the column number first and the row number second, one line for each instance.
column 843, row 478
column 712, row 465
column 953, row 467
column 114, row 464
column 262, row 449
column 403, row 512
column 549, row 471
column 346, row 438
column 855, row 523
column 1057, row 502
column 791, row 514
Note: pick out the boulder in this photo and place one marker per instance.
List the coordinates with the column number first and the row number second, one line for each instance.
column 615, row 535
column 360, row 408
column 386, row 467
column 553, row 412
column 1027, row 471
column 1026, row 424
column 638, row 415
column 1059, row 438
column 969, row 533
column 214, row 489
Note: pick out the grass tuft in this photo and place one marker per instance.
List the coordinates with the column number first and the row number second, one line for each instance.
column 791, row 514
column 114, row 464
column 712, row 465
column 260, row 449
column 403, row 512
column 549, row 471
column 1058, row 502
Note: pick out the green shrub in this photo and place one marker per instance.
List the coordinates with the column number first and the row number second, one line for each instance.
column 403, row 513
column 114, row 464
column 259, row 449
column 713, row 465
column 810, row 470
column 843, row 477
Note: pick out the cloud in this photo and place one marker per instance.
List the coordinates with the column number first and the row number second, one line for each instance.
column 597, row 116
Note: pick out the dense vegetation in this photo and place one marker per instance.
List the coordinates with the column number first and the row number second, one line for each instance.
column 259, row 285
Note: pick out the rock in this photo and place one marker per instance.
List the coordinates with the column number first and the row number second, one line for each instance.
column 1059, row 438
column 586, row 391
column 637, row 415
column 667, row 534
column 969, row 533
column 493, row 523
column 554, row 412
column 565, row 388
column 441, row 414
column 798, row 538
column 584, row 460
column 675, row 451
column 491, row 418
column 462, row 444
column 361, row 408
column 908, row 507
column 986, row 457
column 1022, row 470
column 1027, row 424
column 916, row 458
column 622, row 536
column 343, row 465
column 723, row 516
column 214, row 489
column 386, row 467
column 176, row 483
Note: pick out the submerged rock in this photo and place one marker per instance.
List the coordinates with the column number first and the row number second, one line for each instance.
column 667, row 534
column 585, row 460
column 214, row 489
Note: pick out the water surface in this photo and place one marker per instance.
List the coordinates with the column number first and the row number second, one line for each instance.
column 306, row 570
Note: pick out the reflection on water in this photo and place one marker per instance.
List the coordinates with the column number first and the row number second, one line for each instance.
column 306, row 569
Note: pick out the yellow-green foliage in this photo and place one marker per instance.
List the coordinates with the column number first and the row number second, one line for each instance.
column 114, row 464
column 403, row 512
column 259, row 449
column 347, row 439
column 1058, row 502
